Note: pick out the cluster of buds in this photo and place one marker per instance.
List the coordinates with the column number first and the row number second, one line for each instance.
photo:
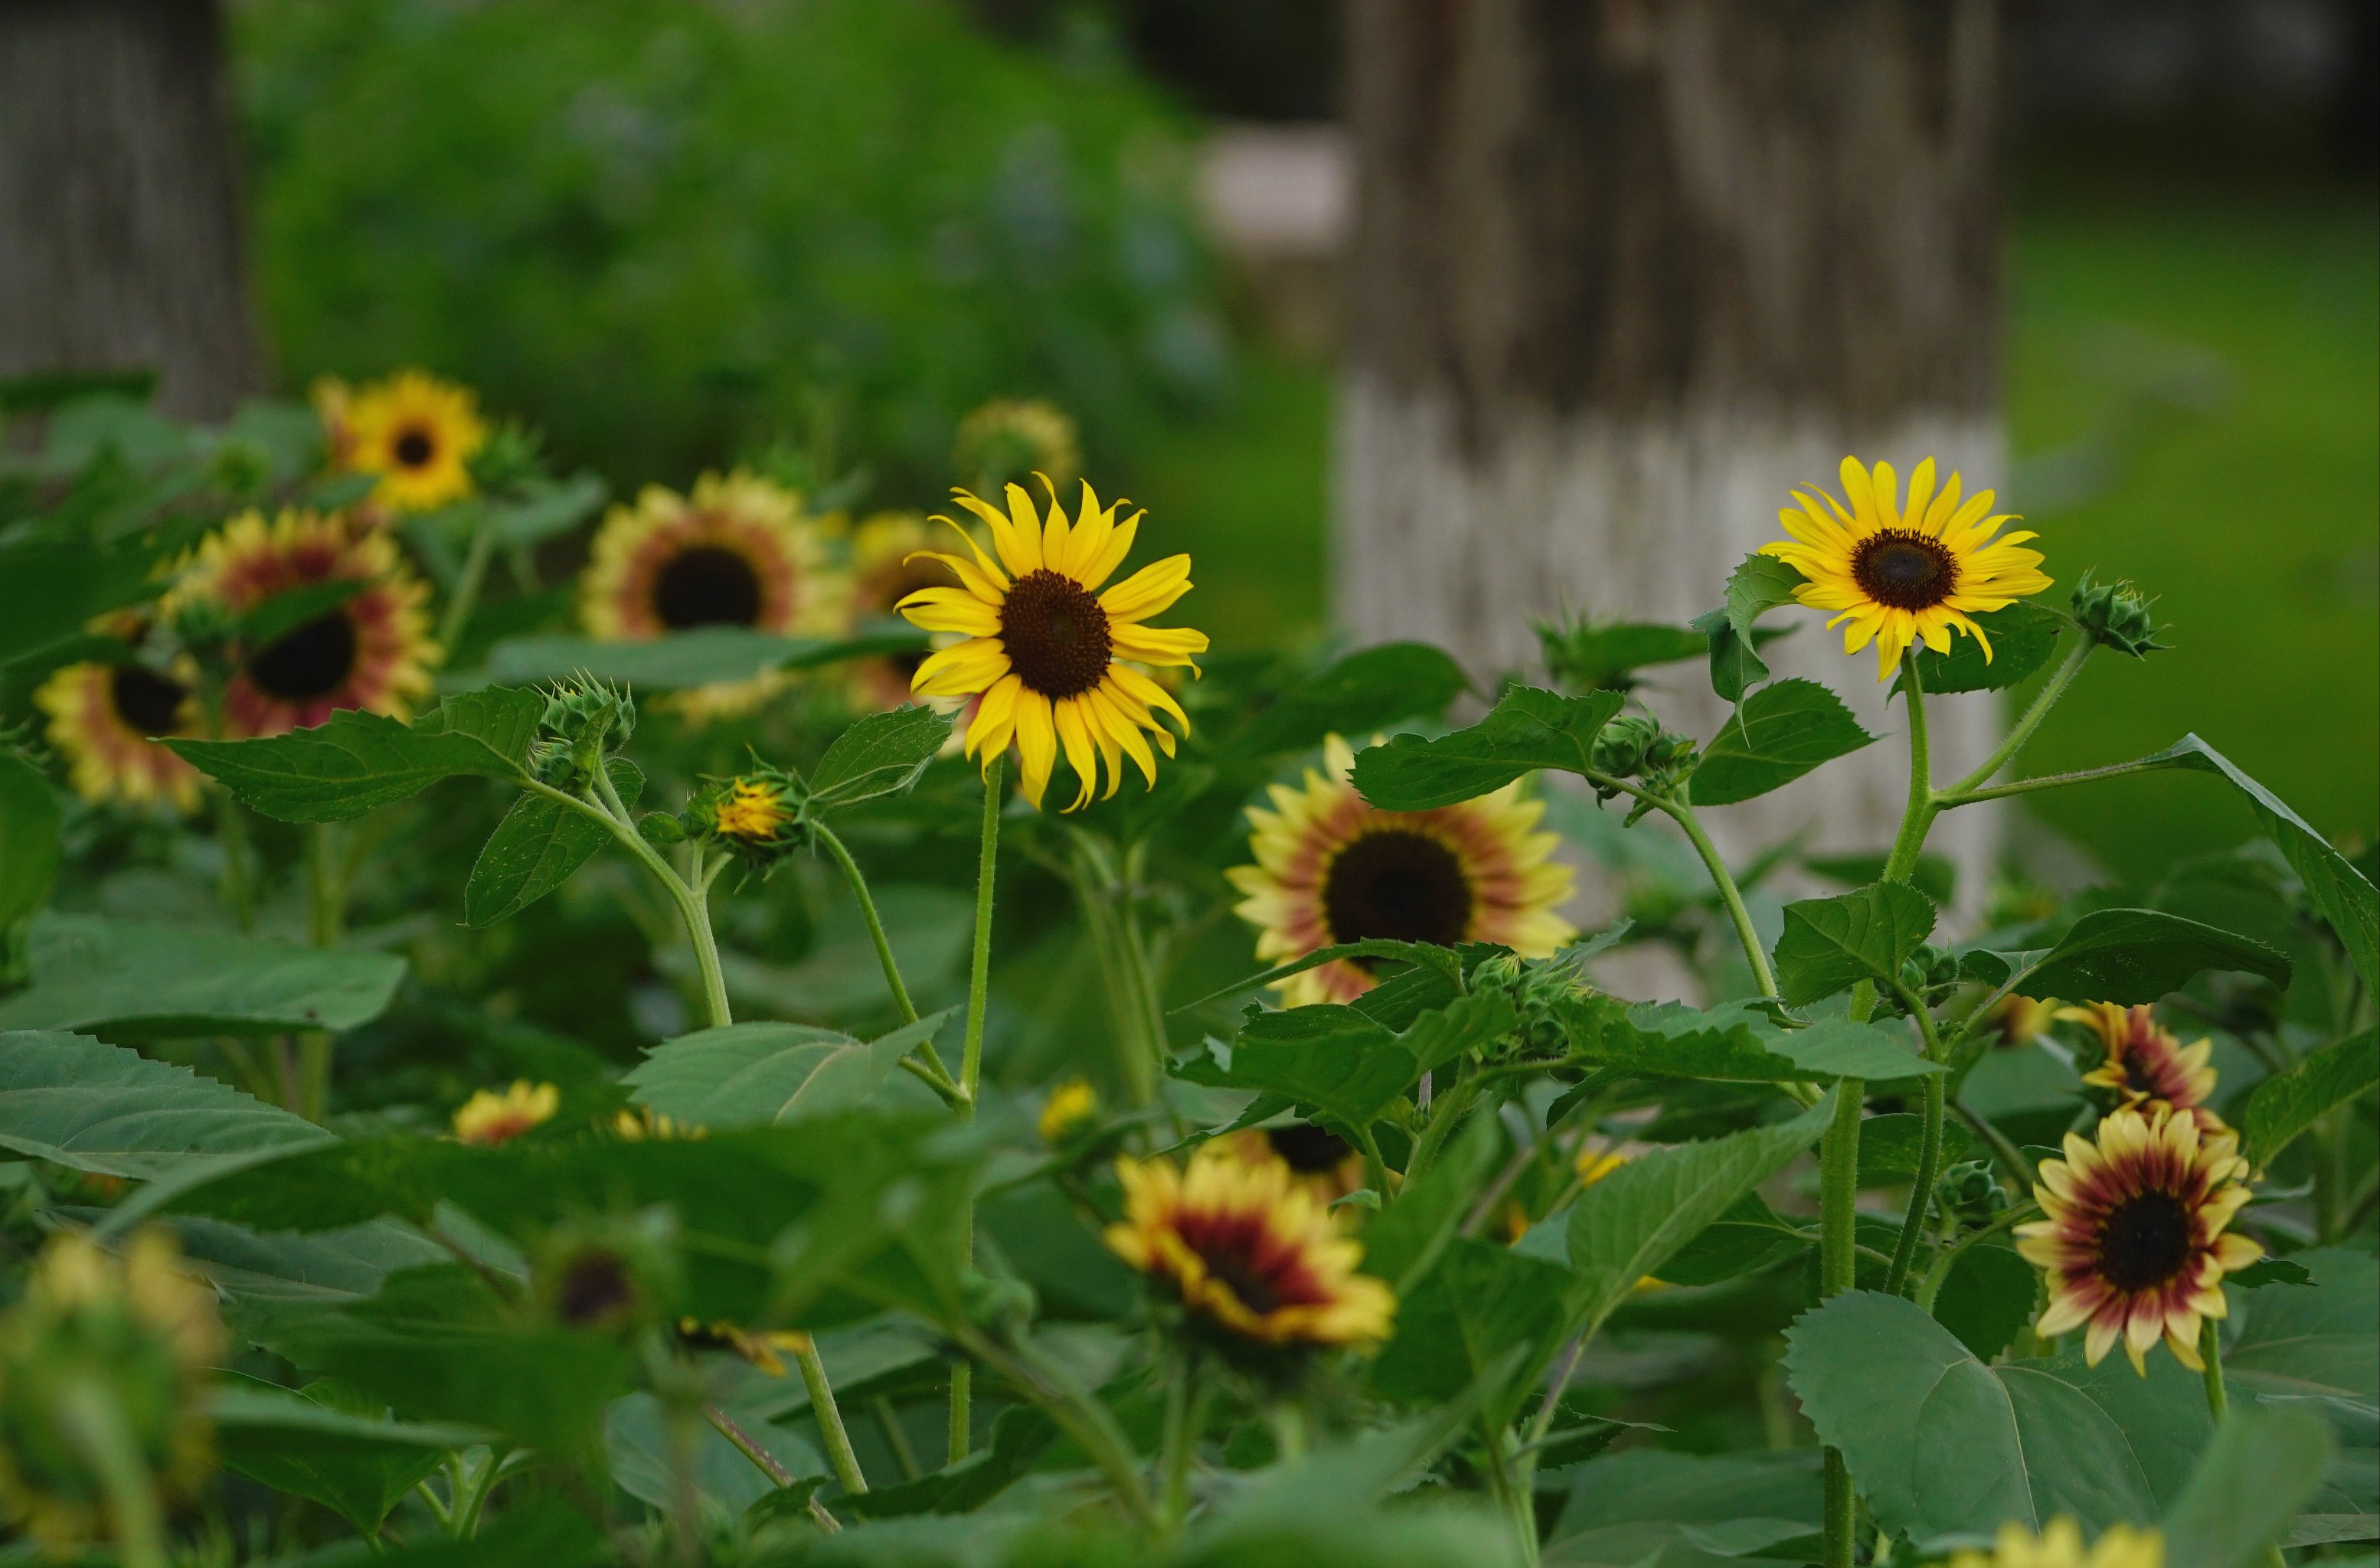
column 1634, row 745
column 103, row 1367
column 2118, row 616
column 1931, row 972
column 1541, row 990
column 512, row 458
column 586, row 721
column 1970, row 1191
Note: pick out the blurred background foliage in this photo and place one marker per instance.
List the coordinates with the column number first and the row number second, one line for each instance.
column 673, row 234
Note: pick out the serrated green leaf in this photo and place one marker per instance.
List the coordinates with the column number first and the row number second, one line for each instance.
column 505, row 718
column 755, row 1075
column 704, row 657
column 638, row 1446
column 2314, row 1343
column 1733, row 1042
column 2138, row 956
column 1942, row 1445
column 140, row 977
column 1465, row 1321
column 2288, row 1103
column 883, row 754
column 1528, row 729
column 28, row 839
column 355, row 1461
column 2023, row 637
column 1781, row 732
column 69, row 1099
column 353, row 765
column 1369, row 689
column 1344, row 1065
column 1761, row 584
column 536, row 847
column 1625, row 1226
column 1831, row 944
column 2259, row 1469
column 1888, row 1147
column 1589, row 655
column 1989, row 1294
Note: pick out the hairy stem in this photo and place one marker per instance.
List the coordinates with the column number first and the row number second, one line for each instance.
column 1929, row 1154
column 940, row 1077
column 766, row 1462
column 839, row 1453
column 1683, row 815
column 2022, row 731
column 987, row 878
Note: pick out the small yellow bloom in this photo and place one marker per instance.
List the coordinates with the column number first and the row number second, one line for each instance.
column 1072, row 1107
column 760, row 1349
column 2019, row 1020
column 754, row 813
column 417, row 433
column 489, row 1118
column 2060, row 1546
column 640, row 1124
column 1594, row 1164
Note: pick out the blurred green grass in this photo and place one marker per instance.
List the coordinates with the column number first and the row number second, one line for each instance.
column 2193, row 391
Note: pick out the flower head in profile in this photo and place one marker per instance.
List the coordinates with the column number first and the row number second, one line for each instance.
column 2020, row 1020
column 2134, row 1238
column 1330, row 869
column 1902, row 575
column 1051, row 655
column 490, row 1118
column 755, row 814
column 2146, row 1066
column 1072, row 1107
column 1249, row 1252
column 1011, row 438
column 416, row 432
column 371, row 650
column 1326, row 1162
column 2060, row 1546
column 106, row 720
column 130, row 1333
column 739, row 550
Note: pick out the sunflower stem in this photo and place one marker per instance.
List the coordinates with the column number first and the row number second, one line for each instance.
column 238, row 857
column 2210, row 1351
column 1185, row 1419
column 850, row 873
column 1683, row 815
column 468, row 582
column 839, row 1453
column 987, row 878
column 2037, row 711
column 93, row 1422
column 1951, row 799
column 1929, row 1154
column 766, row 1462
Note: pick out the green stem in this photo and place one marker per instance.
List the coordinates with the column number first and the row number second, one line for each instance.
column 326, row 917
column 2011, row 1157
column 692, row 897
column 2038, row 709
column 1517, row 1500
column 1949, row 1256
column 1949, row 800
column 939, row 1078
column 239, row 878
column 2210, row 1350
column 1929, row 1154
column 1918, row 816
column 839, row 1453
column 467, row 583
column 93, row 1425
column 766, row 1462
column 1445, row 1113
column 986, row 879
column 1185, row 1419
column 1683, row 815
column 1090, row 1423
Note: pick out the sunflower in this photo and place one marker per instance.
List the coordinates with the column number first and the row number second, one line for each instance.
column 1073, row 1107
column 371, row 650
column 1331, row 867
column 2020, row 1020
column 891, row 559
column 739, row 551
column 1048, row 651
column 489, row 1118
column 1250, row 1252
column 104, row 719
column 416, row 432
column 1903, row 576
column 2147, row 1066
column 1326, row 1164
column 2134, row 1236
column 1010, row 438
column 2060, row 1546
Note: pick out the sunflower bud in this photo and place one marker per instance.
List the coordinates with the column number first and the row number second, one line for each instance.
column 514, row 456
column 755, row 815
column 1969, row 1190
column 1622, row 749
column 1012, row 439
column 102, row 1362
column 584, row 721
column 2118, row 616
column 1072, row 1109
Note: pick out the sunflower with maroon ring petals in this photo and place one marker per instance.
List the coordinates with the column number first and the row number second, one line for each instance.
column 1255, row 1260
column 106, row 720
column 371, row 650
column 1330, row 868
column 2134, row 1238
column 738, row 552
column 2146, row 1066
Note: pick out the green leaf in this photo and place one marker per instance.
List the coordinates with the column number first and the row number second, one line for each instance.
column 1941, row 1444
column 272, row 1270
column 2023, row 637
column 1403, row 1240
column 1761, row 584
column 324, row 1443
column 755, row 1075
column 1591, row 656
column 1529, row 728
column 48, row 589
column 505, row 718
column 1369, row 689
column 2288, row 1103
column 1734, row 1043
column 1986, row 1298
column 1831, row 944
column 883, row 754
column 284, row 613
column 2138, row 956
column 637, row 1450
column 1889, row 1146
column 2261, row 1467
column 2316, row 1343
column 1779, row 733
column 1933, row 875
column 1651, row 1505
column 1442, row 960
column 134, row 977
column 1465, row 1321
column 353, row 765
column 1748, row 1237
column 1630, row 1223
column 540, row 843
column 28, row 839
column 1337, row 1061
column 2344, row 894
column 71, row 1100
column 704, row 657
column 550, row 508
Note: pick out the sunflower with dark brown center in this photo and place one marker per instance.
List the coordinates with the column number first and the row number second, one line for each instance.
column 1050, row 654
column 106, row 720
column 738, row 552
column 2146, row 1066
column 1249, row 1252
column 416, row 432
column 1904, row 576
column 1331, row 868
column 371, row 650
column 2135, row 1239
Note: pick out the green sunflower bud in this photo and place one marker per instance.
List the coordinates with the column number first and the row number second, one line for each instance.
column 1622, row 748
column 1970, row 1190
column 2118, row 616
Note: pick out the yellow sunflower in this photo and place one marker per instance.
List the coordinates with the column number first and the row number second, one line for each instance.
column 2133, row 1237
column 1051, row 655
column 1904, row 576
column 1010, row 438
column 1331, row 867
column 489, row 1118
column 416, row 432
column 106, row 719
column 739, row 551
column 372, row 650
column 2147, row 1066
column 1249, row 1250
column 2060, row 1546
